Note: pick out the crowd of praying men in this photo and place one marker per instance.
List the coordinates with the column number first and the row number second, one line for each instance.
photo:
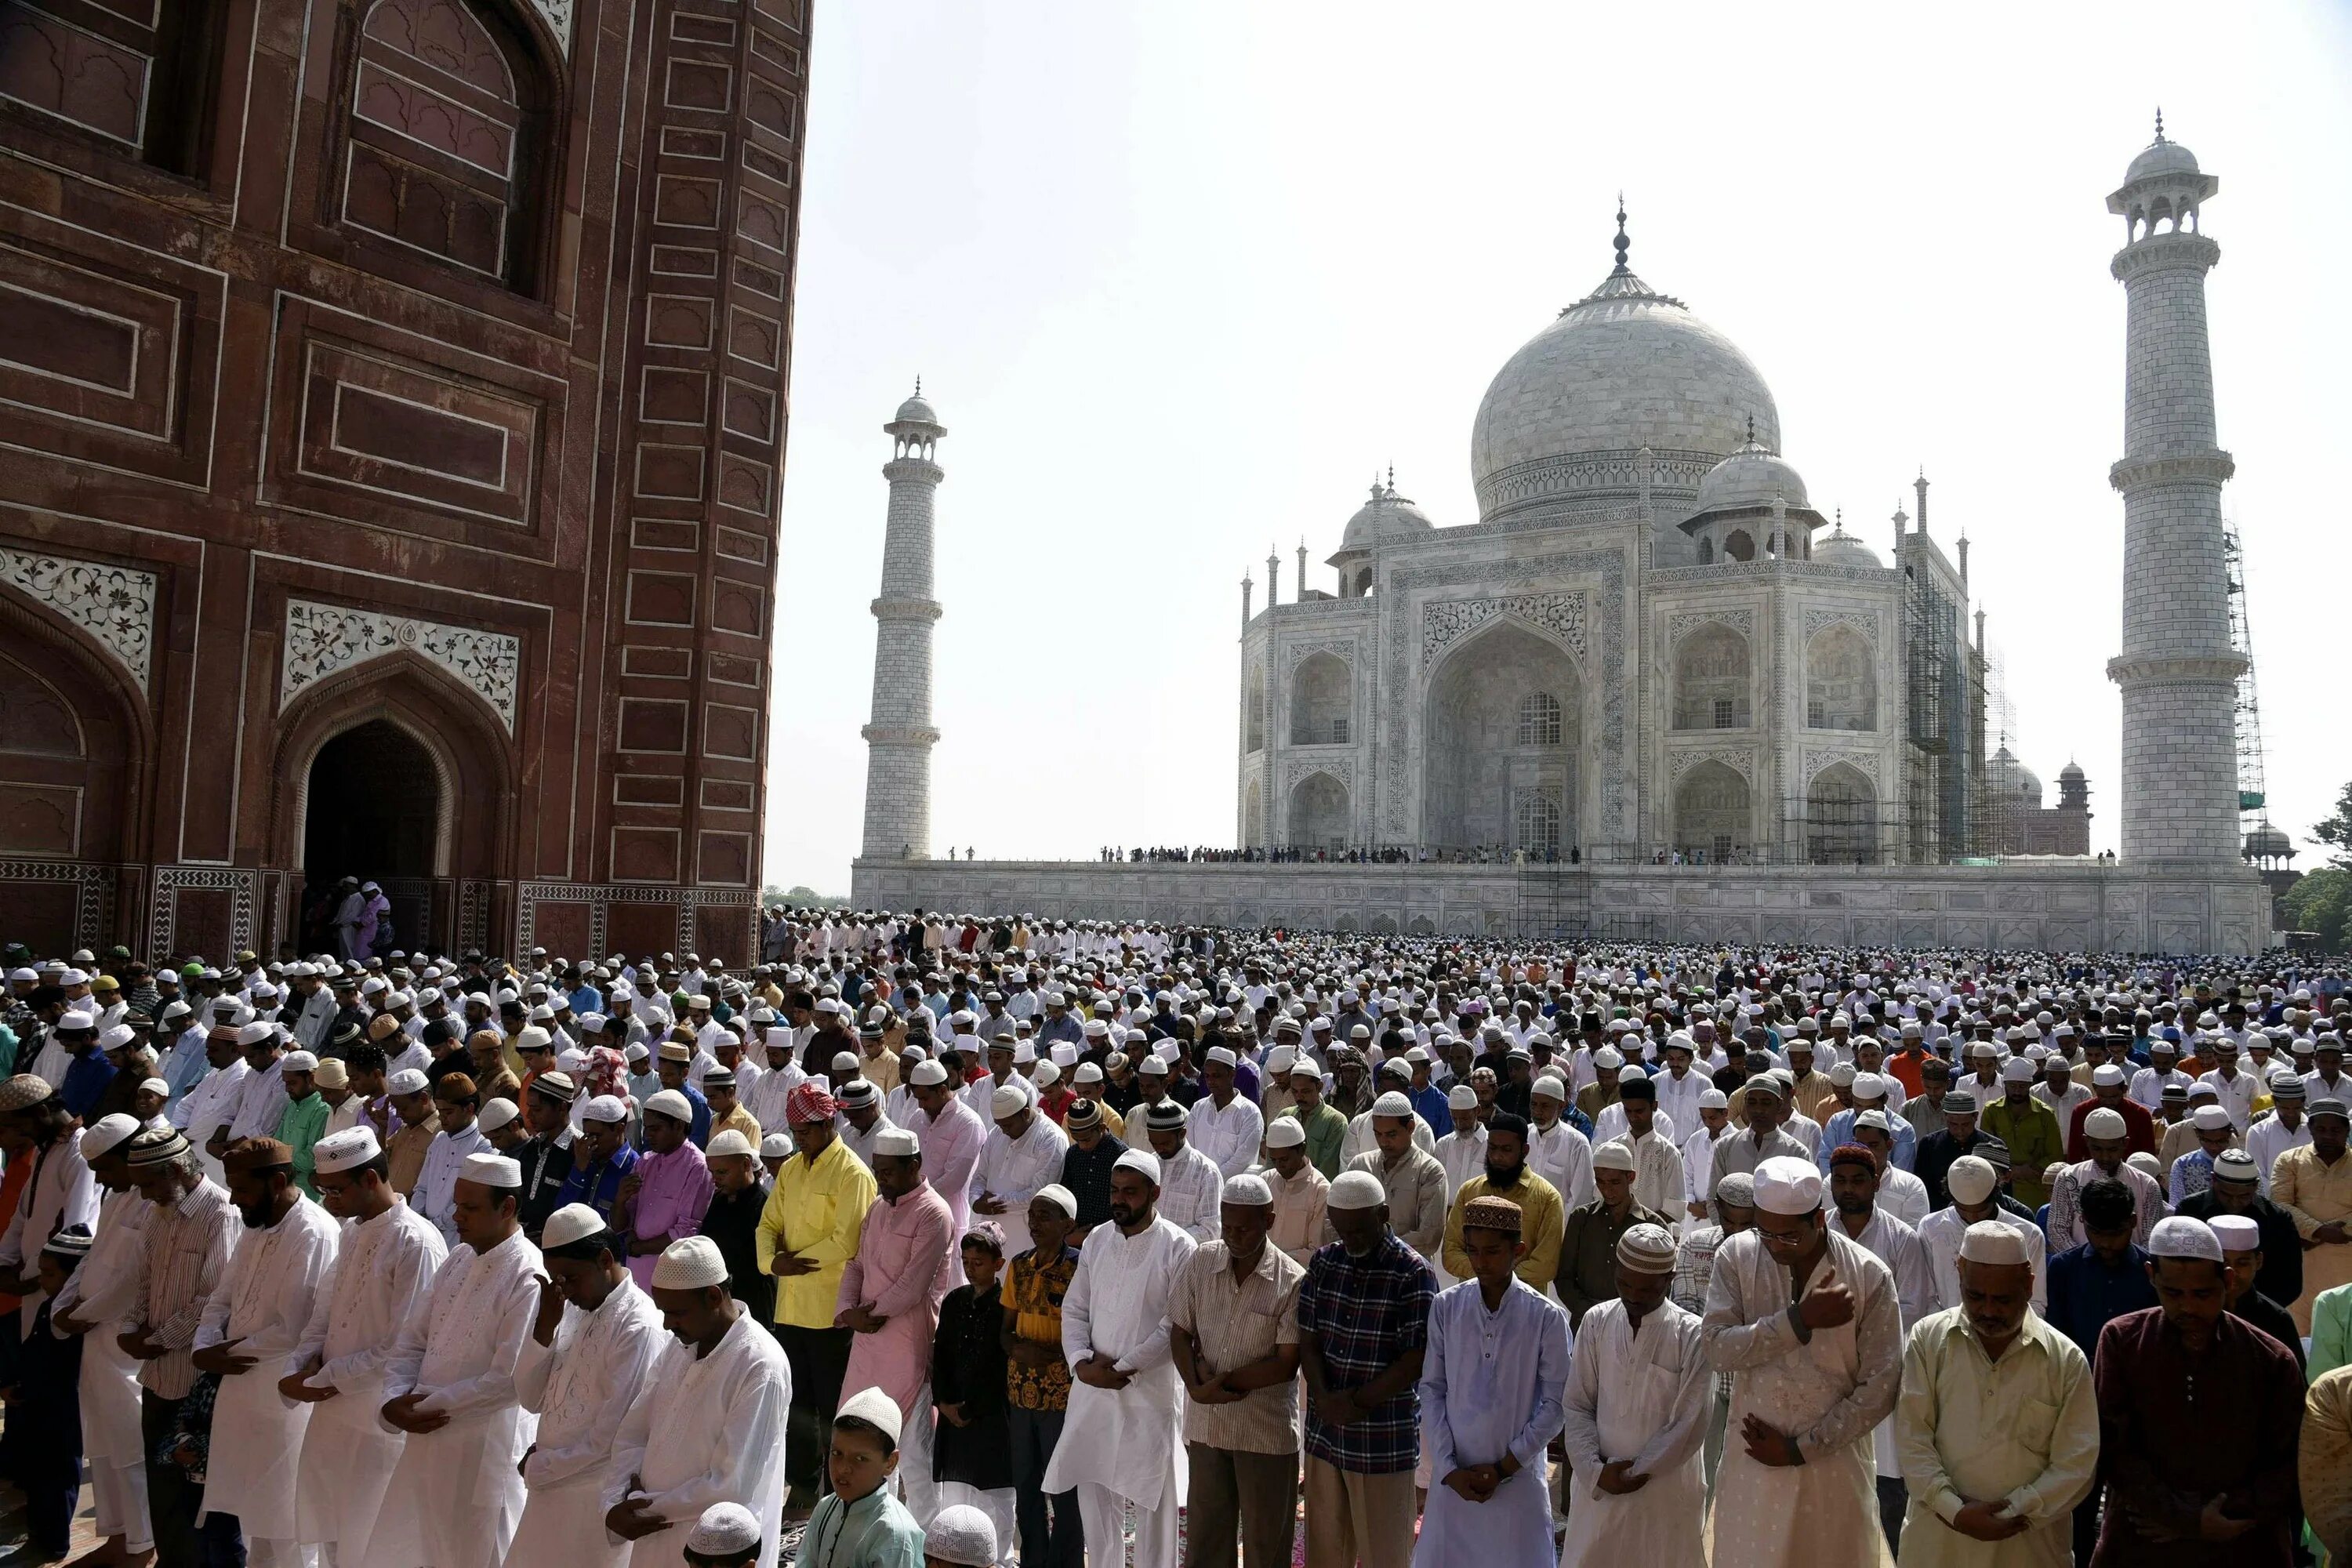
column 975, row 1240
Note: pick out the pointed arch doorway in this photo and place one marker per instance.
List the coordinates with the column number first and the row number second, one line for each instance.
column 374, row 812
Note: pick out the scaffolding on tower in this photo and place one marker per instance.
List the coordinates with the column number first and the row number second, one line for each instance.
column 2252, row 795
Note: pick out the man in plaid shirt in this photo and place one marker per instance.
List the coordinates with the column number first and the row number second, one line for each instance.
column 1363, row 1322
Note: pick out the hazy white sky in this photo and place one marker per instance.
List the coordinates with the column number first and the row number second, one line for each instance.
column 1179, row 278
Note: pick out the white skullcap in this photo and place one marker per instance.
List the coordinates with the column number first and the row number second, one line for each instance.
column 776, row 1146
column 1613, row 1156
column 1356, row 1190
column 345, row 1151
column 2210, row 1119
column 872, row 1407
column 728, row 1142
column 927, row 1073
column 572, row 1222
column 1284, row 1132
column 897, row 1142
column 2178, row 1236
column 1061, row 1198
column 671, row 1103
column 492, row 1170
column 298, row 1061
column 2237, row 1232
column 407, row 1080
column 1788, row 1185
column 1971, row 1179
column 1551, row 1086
column 727, row 1530
column 247, row 1036
column 1006, row 1101
column 1246, row 1188
column 1222, row 1056
column 1142, row 1160
column 690, row 1263
column 1392, row 1104
column 1869, row 1086
column 2107, row 1075
column 1713, row 1098
column 109, row 1131
column 2105, row 1122
column 1991, row 1241
column 497, row 1114
column 1842, row 1076
column 1878, row 1119
column 154, row 1085
column 1462, row 1097
column 2141, row 1160
column 2017, row 1069
column 606, row 1108
column 963, row 1535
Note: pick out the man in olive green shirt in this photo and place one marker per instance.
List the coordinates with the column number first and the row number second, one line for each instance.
column 2030, row 1129
column 1326, row 1130
column 1588, row 1250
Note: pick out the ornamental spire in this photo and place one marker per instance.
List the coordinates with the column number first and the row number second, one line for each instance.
column 1623, row 243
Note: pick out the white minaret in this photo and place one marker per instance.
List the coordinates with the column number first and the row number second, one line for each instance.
column 899, row 739
column 2178, row 670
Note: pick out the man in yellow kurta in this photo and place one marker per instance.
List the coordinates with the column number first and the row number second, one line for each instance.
column 808, row 1233
column 1998, row 1425
column 2314, row 1184
column 1544, row 1219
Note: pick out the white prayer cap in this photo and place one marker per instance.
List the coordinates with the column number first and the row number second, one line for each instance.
column 1392, row 1104
column 1248, row 1189
column 897, row 1142
column 1788, row 1185
column 492, row 1170
column 606, row 1108
column 2210, row 1119
column 1971, row 1179
column 247, row 1036
column 776, row 1146
column 1009, row 1100
column 1356, row 1190
column 1142, row 1160
column 1061, row 1198
column 1613, row 1156
column 729, row 1141
column 1548, row 1086
column 407, row 1080
column 2147, row 1165
column 870, row 1406
column 2178, row 1236
column 780, row 1038
column 109, row 1131
column 1842, row 1074
column 1713, row 1098
column 669, row 1102
column 1462, row 1097
column 963, row 1535
column 928, row 1074
column 1646, row 1249
column 116, row 1037
column 1878, row 1119
column 1869, row 1086
column 2107, row 1075
column 2237, row 1232
column 154, row 1085
column 1991, row 1241
column 2105, row 1122
column 1222, row 1056
column 690, row 1263
column 1305, row 1066
column 729, row 1530
column 1284, row 1132
column 2017, row 1069
column 572, row 1222
column 497, row 1114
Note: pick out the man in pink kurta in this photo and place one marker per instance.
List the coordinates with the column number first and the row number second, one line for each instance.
column 891, row 1295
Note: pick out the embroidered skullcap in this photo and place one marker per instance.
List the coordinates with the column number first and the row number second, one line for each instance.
column 345, row 1151
column 2229, row 1165
column 1842, row 1076
column 1614, row 1156
column 492, row 1170
column 928, row 1074
column 2327, row 1106
column 497, row 1114
column 155, row 1146
column 677, row 1051
column 1392, row 1104
column 729, row 1141
column 1143, row 1161
column 1462, row 1097
column 572, row 1222
column 1788, row 1185
column 1490, row 1213
column 559, row 1085
column 2237, row 1233
column 1356, row 1190
column 77, row 1021
column 963, row 1535
column 1164, row 1116
column 1959, row 1102
column 897, row 1142
column 673, row 1103
column 1971, row 1180
column 1061, row 1198
column 690, row 1263
column 1246, row 1189
column 1284, row 1132
column 870, row 1406
column 776, row 1146
column 1646, row 1249
column 1876, row 1120
column 1154, row 1065
column 1991, row 1241
column 1851, row 1154
column 2105, row 1122
column 1082, row 1114
column 728, row 1529
column 407, row 1080
column 844, row 1061
column 2178, row 1236
column 1738, row 1189
column 2286, row 1085
column 107, row 1132
column 22, row 1090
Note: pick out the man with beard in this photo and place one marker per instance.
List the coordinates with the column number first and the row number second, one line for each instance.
column 1119, row 1433
column 709, row 1423
column 1741, row 1152
column 255, row 1318
column 1543, row 1220
column 1853, row 1189
column 591, row 1346
column 384, row 1266
column 449, row 1383
column 93, row 1299
column 1997, row 1426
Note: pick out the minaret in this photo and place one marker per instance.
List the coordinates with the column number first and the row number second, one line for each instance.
column 2178, row 670
column 1273, row 575
column 899, row 739
column 1298, row 589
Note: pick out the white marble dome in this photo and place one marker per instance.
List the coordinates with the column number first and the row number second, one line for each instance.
column 1386, row 515
column 2161, row 157
column 1624, row 368
column 916, row 410
column 1754, row 476
column 1839, row 548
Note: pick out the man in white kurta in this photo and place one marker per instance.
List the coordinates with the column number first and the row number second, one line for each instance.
column 709, row 1424
column 1119, row 1437
column 252, row 1322
column 450, row 1382
column 1555, row 1151
column 1808, row 1324
column 1190, row 1186
column 1853, row 1190
column 94, row 1297
column 383, row 1269
column 1635, row 1413
column 591, row 1346
column 1224, row 1125
column 1972, row 1182
column 60, row 1193
column 1023, row 1153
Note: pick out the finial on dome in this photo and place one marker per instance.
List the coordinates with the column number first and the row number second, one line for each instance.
column 1623, row 243
column 1751, row 428
column 1391, row 479
column 919, row 384
column 2159, row 122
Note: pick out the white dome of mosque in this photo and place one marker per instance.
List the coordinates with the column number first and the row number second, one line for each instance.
column 1386, row 515
column 916, row 410
column 1624, row 368
column 1839, row 548
column 2161, row 157
column 1754, row 476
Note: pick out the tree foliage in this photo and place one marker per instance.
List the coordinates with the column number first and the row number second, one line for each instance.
column 2335, row 830
column 2322, row 903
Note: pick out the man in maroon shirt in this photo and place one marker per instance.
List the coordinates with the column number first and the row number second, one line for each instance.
column 2107, row 1085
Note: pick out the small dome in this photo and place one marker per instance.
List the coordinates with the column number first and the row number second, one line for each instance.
column 2029, row 786
column 2070, row 773
column 1386, row 515
column 2161, row 157
column 1753, row 476
column 1839, row 548
column 2267, row 842
column 916, row 410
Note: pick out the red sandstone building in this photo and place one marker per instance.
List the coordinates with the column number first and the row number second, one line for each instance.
column 395, row 405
